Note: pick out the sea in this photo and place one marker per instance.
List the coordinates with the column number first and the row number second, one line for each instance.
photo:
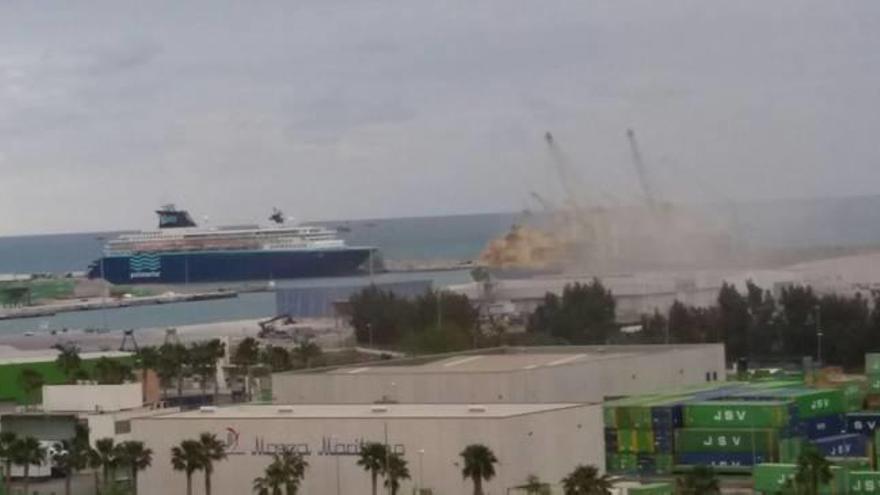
column 799, row 223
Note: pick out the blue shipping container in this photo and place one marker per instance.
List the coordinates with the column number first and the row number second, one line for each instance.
column 718, row 459
column 862, row 422
column 610, row 440
column 848, row 445
column 824, row 426
column 667, row 416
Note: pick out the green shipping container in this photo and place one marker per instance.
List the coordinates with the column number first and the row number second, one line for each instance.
column 652, row 489
column 740, row 414
column 635, row 441
column 863, row 482
column 790, row 449
column 727, row 440
column 852, row 463
column 812, row 403
column 854, row 396
column 873, row 383
column 872, row 363
column 771, row 479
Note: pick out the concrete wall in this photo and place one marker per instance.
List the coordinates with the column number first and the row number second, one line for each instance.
column 92, row 397
column 589, row 381
column 548, row 444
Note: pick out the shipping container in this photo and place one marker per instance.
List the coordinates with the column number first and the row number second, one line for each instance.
column 790, row 449
column 848, row 445
column 863, row 482
column 635, row 441
column 823, row 426
column 852, row 463
column 872, row 363
column 772, row 478
column 864, row 422
column 740, row 414
column 810, row 402
column 722, row 459
column 651, row 489
column 727, row 440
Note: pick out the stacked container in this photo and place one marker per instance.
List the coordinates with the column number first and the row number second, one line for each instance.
column 872, row 373
column 772, row 479
column 731, row 435
column 639, row 434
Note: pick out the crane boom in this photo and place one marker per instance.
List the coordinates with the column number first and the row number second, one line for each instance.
column 650, row 195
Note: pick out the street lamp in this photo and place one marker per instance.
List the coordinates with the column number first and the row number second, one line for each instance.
column 818, row 310
column 336, row 455
column 421, row 457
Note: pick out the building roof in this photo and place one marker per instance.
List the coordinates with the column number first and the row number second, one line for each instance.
column 503, row 359
column 363, row 411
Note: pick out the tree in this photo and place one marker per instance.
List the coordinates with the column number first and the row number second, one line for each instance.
column 479, row 465
column 107, row 459
column 69, row 362
column 112, row 372
column 72, row 455
column 27, row 451
column 306, row 352
column 395, row 471
column 247, row 355
column 187, row 457
column 534, row 486
column 379, row 317
column 586, row 480
column 372, row 460
column 31, row 382
column 136, row 457
column 813, row 470
column 276, row 358
column 286, row 471
column 203, row 361
column 171, row 365
column 700, row 481
column 734, row 320
column 213, row 450
column 8, row 441
column 584, row 314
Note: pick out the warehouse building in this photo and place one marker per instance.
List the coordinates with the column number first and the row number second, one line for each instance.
column 554, row 374
column 547, row 440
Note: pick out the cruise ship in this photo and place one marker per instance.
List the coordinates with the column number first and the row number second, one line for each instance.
column 181, row 252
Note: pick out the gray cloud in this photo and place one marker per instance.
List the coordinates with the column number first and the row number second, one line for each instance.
column 379, row 108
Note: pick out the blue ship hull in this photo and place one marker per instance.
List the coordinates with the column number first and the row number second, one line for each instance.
column 228, row 266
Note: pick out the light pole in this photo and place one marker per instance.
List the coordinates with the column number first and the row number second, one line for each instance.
column 104, row 287
column 421, row 456
column 818, row 310
column 336, row 456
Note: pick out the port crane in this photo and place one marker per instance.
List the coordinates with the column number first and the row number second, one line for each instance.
column 642, row 173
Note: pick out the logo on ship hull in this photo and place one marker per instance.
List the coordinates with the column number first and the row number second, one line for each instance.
column 145, row 266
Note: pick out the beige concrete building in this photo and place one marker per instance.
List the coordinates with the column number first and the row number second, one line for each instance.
column 583, row 374
column 547, row 440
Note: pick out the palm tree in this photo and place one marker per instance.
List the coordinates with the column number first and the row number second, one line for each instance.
column 27, row 452
column 286, row 471
column 72, row 456
column 813, row 470
column 585, row 480
column 395, row 471
column 8, row 440
column 133, row 455
column 700, row 481
column 479, row 465
column 187, row 457
column 534, row 486
column 372, row 459
column 274, row 479
column 212, row 450
column 107, row 459
column 68, row 361
column 294, row 469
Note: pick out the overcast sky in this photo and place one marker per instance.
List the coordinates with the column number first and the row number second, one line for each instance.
column 335, row 109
